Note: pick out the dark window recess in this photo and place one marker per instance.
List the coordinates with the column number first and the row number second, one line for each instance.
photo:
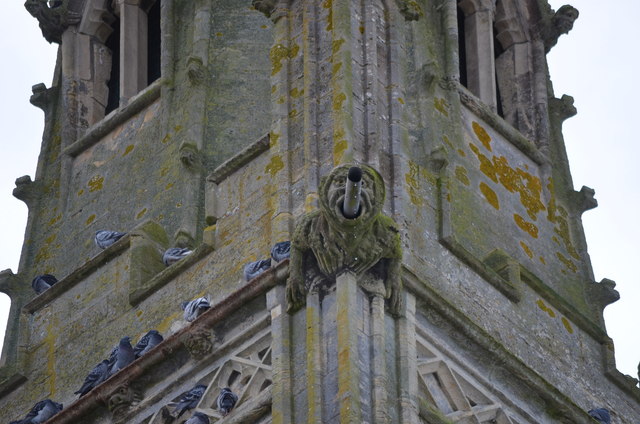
column 497, row 52
column 113, row 44
column 462, row 48
column 153, row 40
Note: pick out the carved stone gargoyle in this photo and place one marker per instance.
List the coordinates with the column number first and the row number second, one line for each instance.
column 325, row 243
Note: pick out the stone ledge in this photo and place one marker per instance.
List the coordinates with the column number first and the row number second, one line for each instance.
column 496, row 122
column 98, row 131
column 138, row 294
column 12, row 382
column 77, row 275
column 236, row 162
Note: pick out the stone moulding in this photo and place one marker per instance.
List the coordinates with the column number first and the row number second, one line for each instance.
column 512, row 135
column 118, row 117
column 242, row 158
column 100, row 395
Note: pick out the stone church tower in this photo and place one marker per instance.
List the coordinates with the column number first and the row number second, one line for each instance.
column 461, row 293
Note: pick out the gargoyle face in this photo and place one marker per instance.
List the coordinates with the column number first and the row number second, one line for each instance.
column 565, row 17
column 371, row 195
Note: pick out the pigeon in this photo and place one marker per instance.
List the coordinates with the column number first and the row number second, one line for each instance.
column 147, row 342
column 43, row 282
column 189, row 399
column 253, row 269
column 280, row 251
column 601, row 415
column 174, row 254
column 106, row 238
column 195, row 308
column 42, row 411
column 226, row 401
column 198, row 418
column 121, row 356
column 97, row 375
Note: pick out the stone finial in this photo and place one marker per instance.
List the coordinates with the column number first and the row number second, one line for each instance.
column 26, row 190
column 562, row 109
column 603, row 293
column 326, row 244
column 584, row 199
column 560, row 23
column 53, row 20
column 41, row 96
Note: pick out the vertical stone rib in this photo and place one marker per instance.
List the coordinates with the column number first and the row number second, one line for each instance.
column 378, row 361
column 339, row 24
column 407, row 364
column 311, row 93
column 281, row 357
column 314, row 359
column 370, row 77
column 348, row 358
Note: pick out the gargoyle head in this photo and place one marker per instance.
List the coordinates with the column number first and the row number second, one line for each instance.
column 332, row 192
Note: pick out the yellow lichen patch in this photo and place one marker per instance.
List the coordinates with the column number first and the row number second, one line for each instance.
column 545, row 308
column 177, row 128
column 80, row 192
column 277, row 54
column 128, row 150
column 336, row 67
column 526, row 226
column 295, row 93
column 441, row 105
column 542, row 260
column 567, row 262
column 168, row 186
column 141, row 213
column 55, row 219
column 264, row 26
column 311, row 202
column 447, row 141
column 338, row 100
column 138, row 313
column 482, row 135
column 461, row 175
column 567, row 325
column 95, row 183
column 328, row 4
column 91, row 219
column 336, row 45
column 293, row 113
column 273, row 139
column 526, row 249
column 219, row 34
column 411, row 178
column 280, row 100
column 401, row 100
column 179, row 205
column 490, row 195
column 361, row 29
column 339, row 148
column 274, row 166
column 560, row 219
column 461, row 153
column 555, row 239
column 515, row 180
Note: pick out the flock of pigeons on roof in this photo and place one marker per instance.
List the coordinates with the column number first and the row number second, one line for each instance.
column 124, row 353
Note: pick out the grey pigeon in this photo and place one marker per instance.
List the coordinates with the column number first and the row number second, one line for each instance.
column 195, row 308
column 106, row 238
column 147, row 342
column 174, row 254
column 123, row 356
column 601, row 415
column 280, row 251
column 189, row 400
column 226, row 401
column 97, row 375
column 42, row 411
column 43, row 282
column 253, row 269
column 198, row 418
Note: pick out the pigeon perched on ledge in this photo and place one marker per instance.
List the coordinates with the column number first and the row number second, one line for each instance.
column 121, row 356
column 195, row 308
column 174, row 254
column 601, row 415
column 97, row 375
column 198, row 418
column 253, row 269
column 43, row 282
column 226, row 401
column 147, row 342
column 189, row 400
column 106, row 238
column 41, row 412
column 280, row 251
